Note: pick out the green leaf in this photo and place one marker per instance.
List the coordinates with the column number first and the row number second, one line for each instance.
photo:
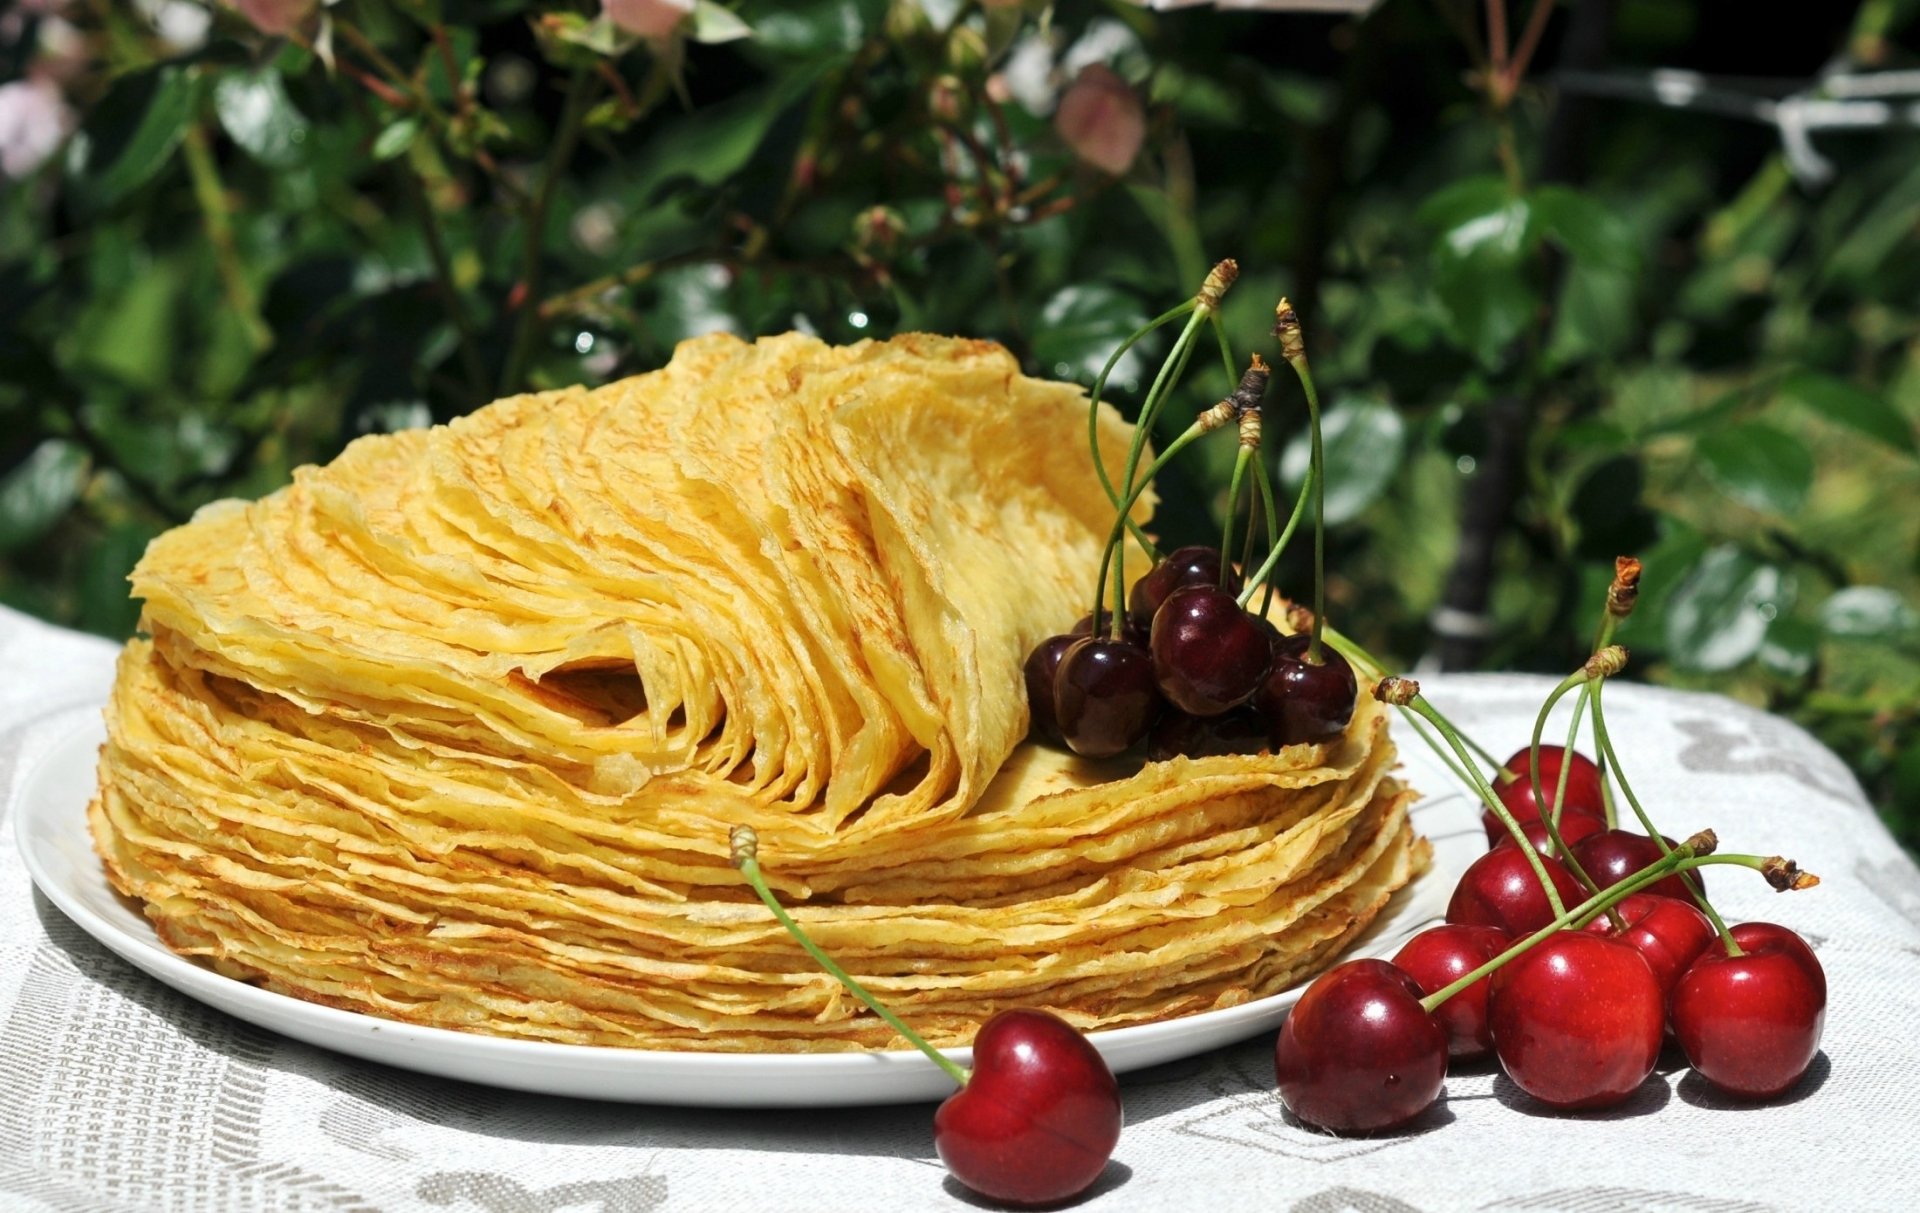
column 817, row 28
column 1758, row 466
column 1481, row 264
column 169, row 110
column 714, row 23
column 1868, row 612
column 38, row 493
column 1596, row 315
column 1081, row 326
column 1363, row 441
column 260, row 117
column 1790, row 648
column 715, row 141
column 1591, row 232
column 1851, row 406
column 1720, row 615
column 396, row 139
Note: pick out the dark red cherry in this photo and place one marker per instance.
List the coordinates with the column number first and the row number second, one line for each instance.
column 1439, row 956
column 1104, row 696
column 1180, row 568
column 1499, row 889
column 1573, row 827
column 1577, row 1021
column 1358, row 1053
column 1042, row 666
column 1668, row 932
column 1583, row 785
column 1039, row 1116
column 1751, row 1024
column 1306, row 702
column 1240, row 731
column 1208, row 653
column 1613, row 855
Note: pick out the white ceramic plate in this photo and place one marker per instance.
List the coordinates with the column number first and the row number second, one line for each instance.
column 52, row 832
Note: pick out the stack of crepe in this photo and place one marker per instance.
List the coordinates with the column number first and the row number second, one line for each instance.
column 453, row 730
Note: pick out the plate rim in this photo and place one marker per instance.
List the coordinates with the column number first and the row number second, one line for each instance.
column 335, row 1029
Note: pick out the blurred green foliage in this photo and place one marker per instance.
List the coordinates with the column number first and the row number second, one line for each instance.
column 254, row 249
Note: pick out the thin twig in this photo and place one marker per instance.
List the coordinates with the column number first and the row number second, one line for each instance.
column 566, row 137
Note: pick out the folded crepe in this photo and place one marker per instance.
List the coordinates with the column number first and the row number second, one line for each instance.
column 454, row 729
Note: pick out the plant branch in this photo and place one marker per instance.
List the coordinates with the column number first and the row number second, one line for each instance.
column 566, row 138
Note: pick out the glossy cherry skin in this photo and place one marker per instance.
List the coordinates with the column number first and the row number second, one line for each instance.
column 1613, row 855
column 1358, row 1054
column 1137, row 626
column 1104, row 696
column 1240, row 731
column 1041, row 669
column 1573, row 827
column 1305, row 701
column 1583, row 785
column 1577, row 1021
column 1039, row 1116
column 1499, row 889
column 1182, row 567
column 1208, row 653
column 1439, row 956
column 1669, row 933
column 1751, row 1024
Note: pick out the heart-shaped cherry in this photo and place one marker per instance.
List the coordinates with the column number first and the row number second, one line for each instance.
column 1577, row 1021
column 1104, row 696
column 1358, row 1053
column 1038, row 1117
column 1041, row 668
column 1667, row 932
column 1180, row 568
column 1306, row 701
column 1614, row 855
column 1583, row 779
column 1500, row 889
column 1439, row 956
column 1573, row 827
column 1208, row 653
column 1751, row 1024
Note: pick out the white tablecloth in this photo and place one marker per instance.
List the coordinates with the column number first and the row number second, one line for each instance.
column 117, row 1093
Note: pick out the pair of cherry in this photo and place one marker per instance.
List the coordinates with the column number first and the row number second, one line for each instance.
column 1196, row 671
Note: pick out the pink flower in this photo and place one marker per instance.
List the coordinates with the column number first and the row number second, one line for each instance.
column 1101, row 119
column 647, row 18
column 277, row 17
column 34, row 120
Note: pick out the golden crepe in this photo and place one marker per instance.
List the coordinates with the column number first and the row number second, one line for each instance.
column 454, row 729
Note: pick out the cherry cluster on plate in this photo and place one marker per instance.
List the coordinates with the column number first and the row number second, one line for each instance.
column 1570, row 951
column 1203, row 675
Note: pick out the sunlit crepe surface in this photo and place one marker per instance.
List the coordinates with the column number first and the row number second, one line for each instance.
column 453, row 730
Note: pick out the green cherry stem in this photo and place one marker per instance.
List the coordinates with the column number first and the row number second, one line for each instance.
column 1550, row 809
column 1118, row 621
column 1286, row 327
column 745, row 853
column 1093, row 414
column 1370, row 668
column 1405, row 692
column 1265, row 572
column 1605, row 743
column 1264, row 482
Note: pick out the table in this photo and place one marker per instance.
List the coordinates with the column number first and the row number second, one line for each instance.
column 118, row 1094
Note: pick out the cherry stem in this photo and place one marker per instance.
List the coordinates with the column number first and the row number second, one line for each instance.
column 1369, row 667
column 1603, row 636
column 1226, row 350
column 1316, row 472
column 744, row 846
column 1118, row 621
column 1093, row 414
column 1419, row 704
column 1550, row 811
column 1605, row 743
column 1585, row 912
column 1233, row 508
column 1163, row 384
column 1265, row 484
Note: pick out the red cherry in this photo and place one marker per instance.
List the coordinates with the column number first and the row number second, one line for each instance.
column 1667, row 932
column 1499, row 889
column 1305, row 701
column 1573, row 827
column 1751, row 1024
column 1039, row 1115
column 1040, row 670
column 1577, row 1021
column 1439, row 956
column 1182, row 567
column 1583, row 785
column 1613, row 855
column 1208, row 653
column 1358, row 1053
column 1104, row 696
